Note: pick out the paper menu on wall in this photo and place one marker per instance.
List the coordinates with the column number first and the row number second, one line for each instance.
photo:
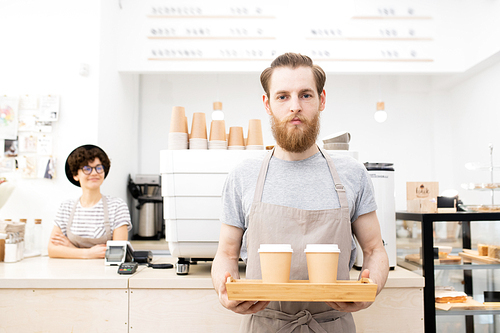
column 44, row 145
column 27, row 120
column 8, row 117
column 27, row 165
column 28, row 102
column 46, row 167
column 27, row 143
column 49, row 108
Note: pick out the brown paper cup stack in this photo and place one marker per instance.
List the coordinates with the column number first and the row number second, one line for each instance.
column 254, row 137
column 198, row 136
column 235, row 139
column 337, row 141
column 178, row 136
column 217, row 135
column 177, row 120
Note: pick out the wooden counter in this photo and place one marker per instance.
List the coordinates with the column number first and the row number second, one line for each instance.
column 64, row 295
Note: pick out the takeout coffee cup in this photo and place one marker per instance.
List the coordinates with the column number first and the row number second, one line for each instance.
column 254, row 137
column 178, row 121
column 236, row 136
column 199, row 126
column 322, row 262
column 275, row 262
column 218, row 130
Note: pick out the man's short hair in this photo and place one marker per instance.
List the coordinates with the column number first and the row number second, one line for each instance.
column 293, row 60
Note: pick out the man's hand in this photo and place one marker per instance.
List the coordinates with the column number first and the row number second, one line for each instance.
column 241, row 307
column 352, row 306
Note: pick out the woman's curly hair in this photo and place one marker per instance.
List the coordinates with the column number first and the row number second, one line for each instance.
column 82, row 157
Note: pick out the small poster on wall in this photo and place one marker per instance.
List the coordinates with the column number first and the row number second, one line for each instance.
column 27, row 120
column 10, row 148
column 27, row 165
column 8, row 117
column 28, row 102
column 27, row 143
column 44, row 145
column 49, row 108
column 46, row 167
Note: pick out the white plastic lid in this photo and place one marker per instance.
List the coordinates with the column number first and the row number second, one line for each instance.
column 322, row 248
column 275, row 248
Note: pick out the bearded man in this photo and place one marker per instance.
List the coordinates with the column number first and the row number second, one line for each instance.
column 297, row 194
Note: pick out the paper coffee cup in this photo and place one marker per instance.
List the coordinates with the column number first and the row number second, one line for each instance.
column 178, row 120
column 254, row 137
column 236, row 136
column 322, row 262
column 218, row 130
column 275, row 262
column 199, row 126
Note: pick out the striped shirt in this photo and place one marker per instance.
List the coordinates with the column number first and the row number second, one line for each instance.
column 89, row 222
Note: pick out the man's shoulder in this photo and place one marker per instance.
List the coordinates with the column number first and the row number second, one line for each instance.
column 248, row 166
column 346, row 161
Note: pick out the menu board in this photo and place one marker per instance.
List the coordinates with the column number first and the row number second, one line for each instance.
column 247, row 35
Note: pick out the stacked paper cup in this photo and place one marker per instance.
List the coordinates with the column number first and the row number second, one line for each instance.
column 236, row 140
column 254, row 137
column 337, row 141
column 198, row 136
column 178, row 136
column 217, row 135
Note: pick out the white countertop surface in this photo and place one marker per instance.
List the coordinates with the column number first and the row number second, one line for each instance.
column 47, row 273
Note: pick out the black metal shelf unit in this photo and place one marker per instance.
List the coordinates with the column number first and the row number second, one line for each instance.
column 427, row 224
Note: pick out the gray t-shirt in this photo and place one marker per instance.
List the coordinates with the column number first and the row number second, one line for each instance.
column 305, row 184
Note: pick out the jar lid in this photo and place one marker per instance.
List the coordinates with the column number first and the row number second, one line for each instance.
column 275, row 248
column 322, row 248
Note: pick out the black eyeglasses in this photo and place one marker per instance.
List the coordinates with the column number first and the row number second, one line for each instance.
column 88, row 170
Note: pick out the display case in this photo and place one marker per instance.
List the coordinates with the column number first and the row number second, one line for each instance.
column 417, row 253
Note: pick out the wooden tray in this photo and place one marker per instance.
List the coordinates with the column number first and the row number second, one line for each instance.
column 449, row 260
column 474, row 256
column 363, row 290
column 471, row 304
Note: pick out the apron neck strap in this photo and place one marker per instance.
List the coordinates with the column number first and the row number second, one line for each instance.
column 259, row 189
column 336, row 180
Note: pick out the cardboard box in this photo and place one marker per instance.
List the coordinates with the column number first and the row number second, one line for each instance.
column 421, row 197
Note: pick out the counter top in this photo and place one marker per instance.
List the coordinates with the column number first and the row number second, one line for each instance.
column 45, row 272
column 49, row 273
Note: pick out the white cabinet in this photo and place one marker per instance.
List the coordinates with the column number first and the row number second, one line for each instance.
column 192, row 182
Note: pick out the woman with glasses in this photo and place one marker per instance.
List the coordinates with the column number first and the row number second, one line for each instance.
column 83, row 226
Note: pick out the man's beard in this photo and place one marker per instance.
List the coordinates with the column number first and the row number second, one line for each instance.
column 292, row 138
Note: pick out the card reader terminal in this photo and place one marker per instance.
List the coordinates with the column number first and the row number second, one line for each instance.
column 127, row 268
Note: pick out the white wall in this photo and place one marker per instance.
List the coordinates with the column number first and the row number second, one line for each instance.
column 118, row 107
column 406, row 138
column 47, row 42
column 475, row 123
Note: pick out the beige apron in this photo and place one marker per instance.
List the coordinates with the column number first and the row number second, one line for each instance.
column 84, row 242
column 287, row 225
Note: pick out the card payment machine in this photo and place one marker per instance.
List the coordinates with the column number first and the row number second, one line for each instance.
column 118, row 252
